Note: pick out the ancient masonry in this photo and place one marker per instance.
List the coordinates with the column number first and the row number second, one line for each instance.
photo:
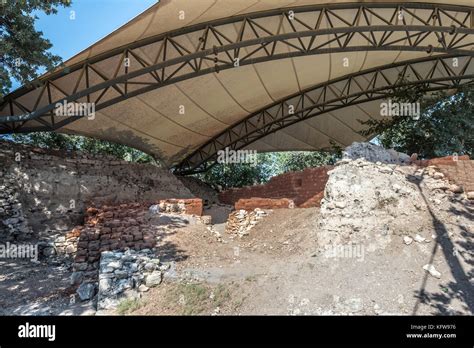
column 44, row 194
column 369, row 203
column 304, row 188
column 99, row 212
column 120, row 227
column 458, row 170
column 13, row 224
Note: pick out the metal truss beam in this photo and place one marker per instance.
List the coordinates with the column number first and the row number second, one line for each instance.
column 211, row 48
column 431, row 74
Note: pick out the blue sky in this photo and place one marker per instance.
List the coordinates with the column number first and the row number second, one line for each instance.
column 94, row 19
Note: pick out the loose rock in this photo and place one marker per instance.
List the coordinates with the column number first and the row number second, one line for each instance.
column 432, row 271
column 86, row 291
column 123, row 275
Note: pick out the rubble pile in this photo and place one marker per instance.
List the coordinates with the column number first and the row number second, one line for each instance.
column 193, row 206
column 215, row 233
column 127, row 274
column 60, row 245
column 372, row 201
column 240, row 222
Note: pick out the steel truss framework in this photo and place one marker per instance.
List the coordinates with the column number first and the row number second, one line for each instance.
column 211, row 47
column 431, row 74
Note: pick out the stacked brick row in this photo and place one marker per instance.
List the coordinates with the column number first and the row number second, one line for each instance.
column 193, row 206
column 264, row 203
column 48, row 191
column 112, row 228
column 305, row 188
column 458, row 170
column 118, row 227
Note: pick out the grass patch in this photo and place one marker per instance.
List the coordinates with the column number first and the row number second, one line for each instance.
column 129, row 305
column 198, row 298
column 221, row 295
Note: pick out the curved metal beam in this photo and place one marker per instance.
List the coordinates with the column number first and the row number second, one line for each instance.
column 361, row 87
column 450, row 26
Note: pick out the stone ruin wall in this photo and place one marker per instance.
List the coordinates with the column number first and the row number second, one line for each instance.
column 120, row 227
column 44, row 194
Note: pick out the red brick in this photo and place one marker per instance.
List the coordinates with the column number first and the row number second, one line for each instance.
column 312, row 180
column 193, row 206
column 262, row 203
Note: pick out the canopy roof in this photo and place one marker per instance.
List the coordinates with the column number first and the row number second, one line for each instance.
column 186, row 79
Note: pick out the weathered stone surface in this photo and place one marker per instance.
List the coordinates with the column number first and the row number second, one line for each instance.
column 143, row 288
column 192, row 206
column 206, row 219
column 86, row 291
column 123, row 274
column 455, row 188
column 432, row 271
column 77, row 277
column 369, row 202
column 46, row 192
column 374, row 153
column 241, row 222
column 154, row 279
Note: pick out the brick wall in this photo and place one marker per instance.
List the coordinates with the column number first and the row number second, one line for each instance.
column 250, row 204
column 44, row 193
column 192, row 206
column 304, row 188
column 116, row 227
column 109, row 228
column 460, row 172
column 448, row 160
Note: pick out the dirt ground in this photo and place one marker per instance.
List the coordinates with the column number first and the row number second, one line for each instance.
column 275, row 270
column 38, row 288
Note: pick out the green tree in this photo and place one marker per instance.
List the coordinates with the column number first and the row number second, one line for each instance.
column 24, row 49
column 51, row 140
column 300, row 160
column 224, row 176
column 25, row 54
column 445, row 125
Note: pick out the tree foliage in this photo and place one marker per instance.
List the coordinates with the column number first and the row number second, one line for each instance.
column 224, row 176
column 445, row 126
column 51, row 140
column 25, row 54
column 296, row 161
column 24, row 49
